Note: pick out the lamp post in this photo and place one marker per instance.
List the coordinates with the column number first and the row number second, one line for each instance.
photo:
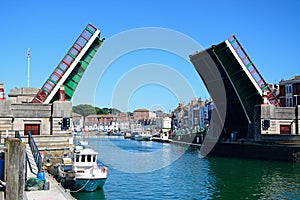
column 296, row 95
column 296, row 114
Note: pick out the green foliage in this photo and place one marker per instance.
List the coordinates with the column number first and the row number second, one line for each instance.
column 105, row 111
column 85, row 110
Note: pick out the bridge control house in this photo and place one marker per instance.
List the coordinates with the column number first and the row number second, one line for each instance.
column 19, row 114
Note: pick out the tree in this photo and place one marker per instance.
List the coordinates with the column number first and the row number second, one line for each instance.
column 98, row 111
column 105, row 111
column 84, row 110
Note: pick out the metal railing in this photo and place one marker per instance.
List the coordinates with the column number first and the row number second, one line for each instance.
column 35, row 152
column 7, row 133
column 17, row 135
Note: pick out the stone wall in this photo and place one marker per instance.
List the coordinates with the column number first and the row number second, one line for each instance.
column 14, row 117
column 21, row 95
column 278, row 116
column 31, row 110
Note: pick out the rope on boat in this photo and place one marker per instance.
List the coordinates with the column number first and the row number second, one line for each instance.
column 82, row 187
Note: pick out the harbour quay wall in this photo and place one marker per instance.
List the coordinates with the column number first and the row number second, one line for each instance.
column 250, row 150
column 278, row 152
column 193, row 138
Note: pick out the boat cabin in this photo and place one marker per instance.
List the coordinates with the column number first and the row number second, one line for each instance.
column 85, row 157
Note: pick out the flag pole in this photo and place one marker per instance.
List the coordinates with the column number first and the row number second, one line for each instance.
column 28, row 67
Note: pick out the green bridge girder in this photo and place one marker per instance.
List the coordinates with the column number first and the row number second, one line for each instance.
column 73, row 79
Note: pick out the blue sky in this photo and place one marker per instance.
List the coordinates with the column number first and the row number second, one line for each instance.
column 268, row 30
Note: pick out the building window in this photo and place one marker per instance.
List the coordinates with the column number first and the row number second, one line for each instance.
column 289, row 102
column 288, row 89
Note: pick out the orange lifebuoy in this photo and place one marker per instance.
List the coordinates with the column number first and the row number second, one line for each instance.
column 103, row 169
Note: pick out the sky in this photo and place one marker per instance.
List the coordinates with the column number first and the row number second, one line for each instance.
column 145, row 77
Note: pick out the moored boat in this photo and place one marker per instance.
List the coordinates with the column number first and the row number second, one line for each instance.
column 146, row 136
column 127, row 135
column 141, row 136
column 133, row 134
column 65, row 171
column 89, row 174
column 80, row 170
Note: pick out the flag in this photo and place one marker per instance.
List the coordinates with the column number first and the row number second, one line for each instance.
column 28, row 53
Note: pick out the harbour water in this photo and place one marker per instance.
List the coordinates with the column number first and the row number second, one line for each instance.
column 180, row 173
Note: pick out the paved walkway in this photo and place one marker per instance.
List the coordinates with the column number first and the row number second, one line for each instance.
column 56, row 192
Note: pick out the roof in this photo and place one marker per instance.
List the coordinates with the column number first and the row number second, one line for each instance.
column 88, row 151
column 100, row 116
column 141, row 110
column 294, row 79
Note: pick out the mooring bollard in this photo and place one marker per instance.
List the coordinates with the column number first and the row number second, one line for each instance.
column 15, row 169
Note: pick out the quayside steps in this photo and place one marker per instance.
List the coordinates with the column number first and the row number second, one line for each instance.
column 71, row 68
column 32, row 169
column 33, row 156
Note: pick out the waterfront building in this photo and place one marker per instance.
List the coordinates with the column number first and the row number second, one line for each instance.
column 196, row 114
column 101, row 122
column 78, row 121
column 41, row 119
column 91, row 122
column 163, row 123
column 191, row 117
column 271, row 121
column 123, row 120
column 141, row 115
column 280, row 123
column 45, row 120
column 123, row 117
column 178, row 116
column 289, row 92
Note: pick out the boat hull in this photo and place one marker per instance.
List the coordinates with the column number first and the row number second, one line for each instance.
column 89, row 185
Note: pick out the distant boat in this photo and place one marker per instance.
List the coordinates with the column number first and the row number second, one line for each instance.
column 138, row 137
column 161, row 137
column 141, row 136
column 115, row 134
column 127, row 135
column 133, row 134
column 146, row 136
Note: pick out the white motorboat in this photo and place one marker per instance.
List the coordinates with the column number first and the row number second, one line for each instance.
column 89, row 174
column 81, row 171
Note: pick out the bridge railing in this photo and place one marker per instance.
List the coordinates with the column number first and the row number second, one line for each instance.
column 65, row 64
column 253, row 70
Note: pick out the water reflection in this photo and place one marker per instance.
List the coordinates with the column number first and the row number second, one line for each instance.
column 96, row 195
column 252, row 179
